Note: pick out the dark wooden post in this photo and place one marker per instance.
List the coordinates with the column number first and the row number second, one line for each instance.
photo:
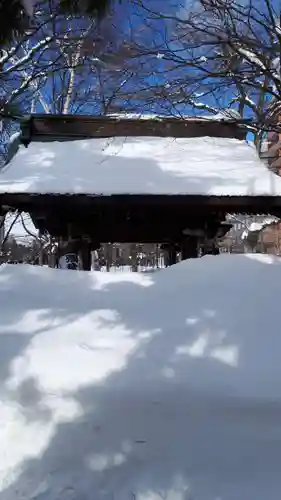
column 211, row 250
column 86, row 255
column 170, row 252
column 172, row 255
column 189, row 248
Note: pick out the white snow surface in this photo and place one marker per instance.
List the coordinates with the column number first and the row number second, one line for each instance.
column 142, row 386
column 140, row 165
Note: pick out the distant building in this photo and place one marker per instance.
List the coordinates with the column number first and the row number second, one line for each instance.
column 271, row 151
column 266, row 240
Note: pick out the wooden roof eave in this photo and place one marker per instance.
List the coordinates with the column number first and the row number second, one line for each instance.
column 43, row 128
column 228, row 204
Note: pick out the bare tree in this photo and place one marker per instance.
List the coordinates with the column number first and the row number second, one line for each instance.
column 66, row 65
column 218, row 56
column 17, row 15
column 59, row 66
column 56, row 44
column 18, row 226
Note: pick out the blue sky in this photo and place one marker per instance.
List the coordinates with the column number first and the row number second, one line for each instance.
column 128, row 18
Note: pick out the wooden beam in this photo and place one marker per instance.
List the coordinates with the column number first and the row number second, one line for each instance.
column 70, row 127
column 194, row 203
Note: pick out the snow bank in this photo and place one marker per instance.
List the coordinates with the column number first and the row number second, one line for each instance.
column 141, row 386
column 140, row 165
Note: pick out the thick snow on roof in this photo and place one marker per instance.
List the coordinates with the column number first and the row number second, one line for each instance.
column 139, row 116
column 140, row 165
column 145, row 386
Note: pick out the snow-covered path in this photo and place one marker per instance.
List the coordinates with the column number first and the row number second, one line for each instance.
column 141, row 386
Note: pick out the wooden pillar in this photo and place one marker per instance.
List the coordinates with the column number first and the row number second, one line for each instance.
column 189, row 249
column 216, row 250
column 211, row 250
column 157, row 255
column 2, row 228
column 134, row 257
column 41, row 256
column 85, row 255
column 41, row 250
column 172, row 252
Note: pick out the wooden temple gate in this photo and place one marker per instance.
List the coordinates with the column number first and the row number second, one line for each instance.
column 190, row 224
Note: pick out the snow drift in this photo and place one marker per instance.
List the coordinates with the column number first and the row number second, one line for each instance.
column 142, row 386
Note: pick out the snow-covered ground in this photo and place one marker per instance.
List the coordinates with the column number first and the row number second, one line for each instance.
column 140, row 165
column 142, row 386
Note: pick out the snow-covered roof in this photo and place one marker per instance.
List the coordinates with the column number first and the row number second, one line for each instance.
column 140, row 165
column 138, row 116
column 223, row 115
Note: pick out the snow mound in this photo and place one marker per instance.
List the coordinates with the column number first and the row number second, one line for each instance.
column 145, row 386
